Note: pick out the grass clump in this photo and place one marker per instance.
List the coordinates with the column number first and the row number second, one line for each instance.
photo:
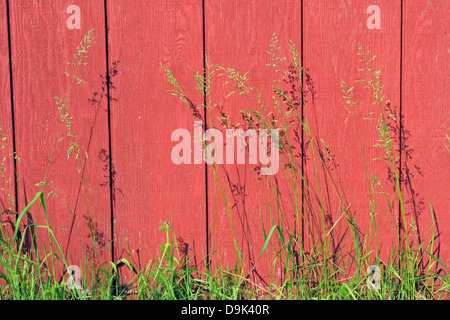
column 320, row 256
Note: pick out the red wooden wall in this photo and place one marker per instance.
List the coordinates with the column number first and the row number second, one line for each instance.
column 130, row 185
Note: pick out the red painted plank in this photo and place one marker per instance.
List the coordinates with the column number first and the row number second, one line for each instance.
column 332, row 32
column 7, row 197
column 238, row 35
column 149, row 188
column 42, row 44
column 426, row 162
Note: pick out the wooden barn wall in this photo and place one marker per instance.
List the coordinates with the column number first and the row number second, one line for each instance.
column 123, row 118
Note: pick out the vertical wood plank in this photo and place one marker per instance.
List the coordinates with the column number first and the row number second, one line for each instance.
column 42, row 44
column 332, row 32
column 7, row 194
column 149, row 189
column 425, row 160
column 238, row 35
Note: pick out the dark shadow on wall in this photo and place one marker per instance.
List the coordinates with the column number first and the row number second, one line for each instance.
column 414, row 202
column 98, row 101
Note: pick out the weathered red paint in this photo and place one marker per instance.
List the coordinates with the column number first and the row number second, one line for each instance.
column 148, row 189
column 332, row 32
column 238, row 35
column 41, row 47
column 426, row 112
column 7, row 205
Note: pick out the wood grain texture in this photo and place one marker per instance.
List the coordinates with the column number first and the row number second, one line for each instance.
column 332, row 32
column 149, row 189
column 41, row 46
column 425, row 160
column 7, row 195
column 242, row 205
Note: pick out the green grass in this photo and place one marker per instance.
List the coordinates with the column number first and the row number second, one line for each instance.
column 172, row 276
column 303, row 246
